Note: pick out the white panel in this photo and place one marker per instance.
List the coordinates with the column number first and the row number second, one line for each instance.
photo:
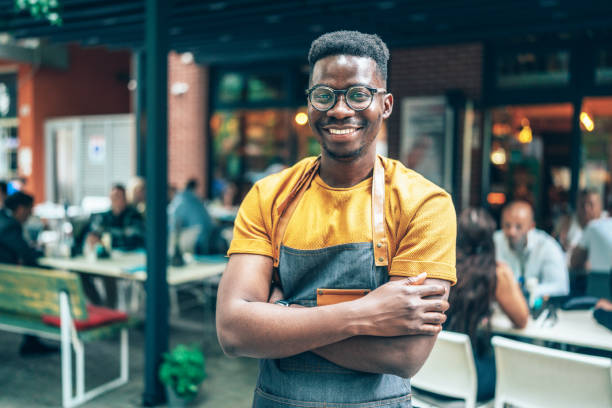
column 121, row 153
column 101, row 153
column 93, row 178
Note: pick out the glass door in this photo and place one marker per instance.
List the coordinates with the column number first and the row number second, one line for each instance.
column 596, row 157
column 530, row 159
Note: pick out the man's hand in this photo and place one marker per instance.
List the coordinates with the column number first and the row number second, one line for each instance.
column 92, row 239
column 400, row 307
column 275, row 294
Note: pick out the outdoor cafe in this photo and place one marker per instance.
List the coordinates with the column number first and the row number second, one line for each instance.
column 136, row 129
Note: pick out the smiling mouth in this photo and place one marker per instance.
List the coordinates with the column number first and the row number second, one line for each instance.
column 341, row 131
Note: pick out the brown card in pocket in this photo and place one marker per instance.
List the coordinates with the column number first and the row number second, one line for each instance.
column 333, row 296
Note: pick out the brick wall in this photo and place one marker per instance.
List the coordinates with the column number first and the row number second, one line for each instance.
column 433, row 71
column 95, row 83
column 187, row 123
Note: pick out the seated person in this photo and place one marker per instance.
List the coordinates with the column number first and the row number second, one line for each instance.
column 481, row 280
column 136, row 194
column 13, row 247
column 15, row 250
column 188, row 211
column 570, row 228
column 603, row 313
column 570, row 232
column 126, row 228
column 594, row 250
column 531, row 253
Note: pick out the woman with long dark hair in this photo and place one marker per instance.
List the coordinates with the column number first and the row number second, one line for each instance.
column 480, row 281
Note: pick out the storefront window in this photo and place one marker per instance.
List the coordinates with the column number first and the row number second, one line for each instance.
column 231, row 88
column 596, row 161
column 251, row 144
column 530, row 159
column 265, row 87
column 532, row 69
column 9, row 122
column 603, row 67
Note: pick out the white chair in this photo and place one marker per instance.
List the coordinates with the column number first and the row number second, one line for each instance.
column 534, row 376
column 449, row 371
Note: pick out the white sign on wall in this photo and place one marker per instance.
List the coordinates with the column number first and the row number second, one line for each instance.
column 96, row 151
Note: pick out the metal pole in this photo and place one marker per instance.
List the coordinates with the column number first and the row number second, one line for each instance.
column 485, row 187
column 140, row 110
column 576, row 153
column 156, row 325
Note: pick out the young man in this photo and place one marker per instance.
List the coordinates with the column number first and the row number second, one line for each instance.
column 530, row 252
column 14, row 249
column 126, row 228
column 335, row 228
column 187, row 211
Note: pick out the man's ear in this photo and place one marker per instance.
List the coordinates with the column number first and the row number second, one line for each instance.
column 387, row 105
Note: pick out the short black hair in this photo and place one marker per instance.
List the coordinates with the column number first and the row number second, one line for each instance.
column 118, row 186
column 350, row 43
column 18, row 199
column 3, row 187
column 192, row 184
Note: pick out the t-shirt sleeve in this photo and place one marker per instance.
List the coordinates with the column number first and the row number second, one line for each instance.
column 250, row 231
column 429, row 242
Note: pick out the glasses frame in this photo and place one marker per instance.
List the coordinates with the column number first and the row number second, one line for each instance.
column 337, row 92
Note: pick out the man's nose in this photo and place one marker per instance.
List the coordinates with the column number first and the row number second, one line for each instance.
column 341, row 110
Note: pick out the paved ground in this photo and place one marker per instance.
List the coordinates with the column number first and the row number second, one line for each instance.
column 35, row 381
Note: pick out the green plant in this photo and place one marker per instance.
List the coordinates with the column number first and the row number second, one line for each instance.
column 48, row 9
column 183, row 369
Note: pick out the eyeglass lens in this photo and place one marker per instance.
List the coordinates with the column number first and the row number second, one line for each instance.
column 357, row 98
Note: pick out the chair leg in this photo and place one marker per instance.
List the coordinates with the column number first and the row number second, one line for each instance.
column 66, row 350
column 175, row 310
column 69, row 340
column 80, row 369
column 125, row 360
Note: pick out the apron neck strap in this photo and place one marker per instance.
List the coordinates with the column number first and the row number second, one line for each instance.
column 286, row 208
column 379, row 240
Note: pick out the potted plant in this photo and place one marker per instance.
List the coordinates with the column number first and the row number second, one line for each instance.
column 181, row 371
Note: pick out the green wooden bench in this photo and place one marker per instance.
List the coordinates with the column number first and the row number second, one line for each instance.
column 27, row 293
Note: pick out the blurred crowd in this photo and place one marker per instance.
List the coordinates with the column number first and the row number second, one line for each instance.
column 191, row 229
column 523, row 270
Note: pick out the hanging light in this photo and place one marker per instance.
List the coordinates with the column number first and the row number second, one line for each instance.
column 498, row 156
column 525, row 136
column 496, row 198
column 301, row 118
column 587, row 122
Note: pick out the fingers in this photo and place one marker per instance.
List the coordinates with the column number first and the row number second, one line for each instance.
column 276, row 294
column 416, row 280
column 434, row 318
column 429, row 329
column 430, row 290
column 435, row 305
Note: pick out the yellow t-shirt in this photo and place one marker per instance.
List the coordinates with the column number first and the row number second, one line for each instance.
column 420, row 219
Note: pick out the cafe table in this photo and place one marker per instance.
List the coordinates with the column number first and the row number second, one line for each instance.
column 571, row 327
column 132, row 266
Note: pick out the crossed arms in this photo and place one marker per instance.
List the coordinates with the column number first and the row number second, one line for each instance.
column 391, row 330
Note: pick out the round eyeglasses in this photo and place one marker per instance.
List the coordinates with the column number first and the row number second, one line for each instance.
column 357, row 97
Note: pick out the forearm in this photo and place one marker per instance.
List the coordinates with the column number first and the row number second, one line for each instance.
column 263, row 330
column 402, row 356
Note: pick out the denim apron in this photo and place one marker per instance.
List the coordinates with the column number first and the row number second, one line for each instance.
column 307, row 380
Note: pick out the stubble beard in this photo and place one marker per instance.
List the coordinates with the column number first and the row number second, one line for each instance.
column 355, row 154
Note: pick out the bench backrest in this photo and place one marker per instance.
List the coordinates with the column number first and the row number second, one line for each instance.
column 35, row 291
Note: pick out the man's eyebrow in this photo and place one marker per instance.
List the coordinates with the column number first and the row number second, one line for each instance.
column 356, row 84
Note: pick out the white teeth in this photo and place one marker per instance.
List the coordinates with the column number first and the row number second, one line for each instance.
column 341, row 131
